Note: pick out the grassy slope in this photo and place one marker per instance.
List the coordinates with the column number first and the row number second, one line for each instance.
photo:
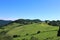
column 47, row 32
column 11, row 26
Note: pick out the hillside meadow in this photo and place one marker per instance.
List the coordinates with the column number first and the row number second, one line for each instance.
column 35, row 31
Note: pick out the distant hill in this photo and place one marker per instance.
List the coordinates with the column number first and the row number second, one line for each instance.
column 4, row 22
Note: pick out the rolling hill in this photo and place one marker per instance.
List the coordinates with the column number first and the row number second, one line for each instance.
column 4, row 22
column 34, row 31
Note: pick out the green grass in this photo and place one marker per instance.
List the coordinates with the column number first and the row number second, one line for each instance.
column 47, row 32
column 11, row 26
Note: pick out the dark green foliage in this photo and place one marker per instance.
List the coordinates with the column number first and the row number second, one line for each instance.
column 58, row 34
column 47, row 21
column 54, row 23
column 33, row 38
column 36, row 21
column 22, row 21
column 58, row 22
column 38, row 32
column 27, row 34
column 15, row 36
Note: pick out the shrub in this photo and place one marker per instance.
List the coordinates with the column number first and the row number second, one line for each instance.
column 27, row 34
column 14, row 36
column 38, row 32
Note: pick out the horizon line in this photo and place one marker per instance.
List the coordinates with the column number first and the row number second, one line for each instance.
column 30, row 19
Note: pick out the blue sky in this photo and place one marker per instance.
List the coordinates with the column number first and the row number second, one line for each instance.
column 30, row 9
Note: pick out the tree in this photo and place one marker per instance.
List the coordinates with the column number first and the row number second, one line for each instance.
column 58, row 34
column 53, row 23
column 47, row 21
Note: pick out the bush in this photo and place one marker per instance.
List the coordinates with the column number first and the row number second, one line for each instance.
column 38, row 32
column 14, row 36
column 27, row 34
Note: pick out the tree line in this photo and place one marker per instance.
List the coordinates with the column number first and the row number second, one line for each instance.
column 28, row 21
column 53, row 22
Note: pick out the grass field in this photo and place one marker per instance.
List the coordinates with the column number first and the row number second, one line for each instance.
column 30, row 31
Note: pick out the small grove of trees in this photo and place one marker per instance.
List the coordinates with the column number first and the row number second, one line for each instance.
column 53, row 22
column 47, row 21
column 36, row 21
column 28, row 21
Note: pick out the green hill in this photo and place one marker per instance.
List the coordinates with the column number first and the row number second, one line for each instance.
column 35, row 31
column 29, row 30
